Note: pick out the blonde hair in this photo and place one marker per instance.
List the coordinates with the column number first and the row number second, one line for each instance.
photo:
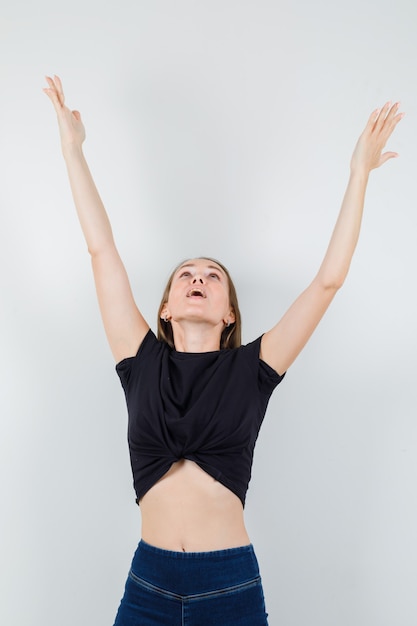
column 231, row 336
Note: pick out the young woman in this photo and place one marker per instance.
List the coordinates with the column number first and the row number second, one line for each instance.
column 196, row 399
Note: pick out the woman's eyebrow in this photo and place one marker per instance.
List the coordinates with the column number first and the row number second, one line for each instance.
column 212, row 267
column 216, row 267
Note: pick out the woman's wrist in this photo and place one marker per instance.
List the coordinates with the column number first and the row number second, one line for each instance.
column 359, row 174
column 72, row 150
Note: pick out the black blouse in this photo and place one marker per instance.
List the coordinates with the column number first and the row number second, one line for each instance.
column 206, row 407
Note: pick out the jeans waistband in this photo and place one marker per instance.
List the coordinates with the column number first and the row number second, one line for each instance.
column 186, row 573
column 211, row 554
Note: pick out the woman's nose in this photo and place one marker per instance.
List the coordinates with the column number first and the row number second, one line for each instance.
column 197, row 279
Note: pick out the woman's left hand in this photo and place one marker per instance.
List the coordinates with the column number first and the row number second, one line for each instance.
column 368, row 153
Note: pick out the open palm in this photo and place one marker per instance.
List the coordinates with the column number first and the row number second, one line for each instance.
column 71, row 128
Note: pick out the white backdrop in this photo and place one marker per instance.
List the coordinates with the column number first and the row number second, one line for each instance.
column 220, row 128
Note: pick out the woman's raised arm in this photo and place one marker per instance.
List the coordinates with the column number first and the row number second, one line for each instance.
column 282, row 344
column 124, row 325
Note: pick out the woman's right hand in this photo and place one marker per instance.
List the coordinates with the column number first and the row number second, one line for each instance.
column 71, row 128
column 368, row 153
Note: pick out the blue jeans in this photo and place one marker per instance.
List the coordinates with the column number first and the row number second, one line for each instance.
column 219, row 588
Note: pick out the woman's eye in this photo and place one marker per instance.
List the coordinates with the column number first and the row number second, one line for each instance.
column 184, row 274
column 215, row 276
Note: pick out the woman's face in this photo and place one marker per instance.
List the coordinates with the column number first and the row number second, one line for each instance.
column 199, row 292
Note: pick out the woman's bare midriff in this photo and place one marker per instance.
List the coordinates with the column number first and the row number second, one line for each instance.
column 188, row 510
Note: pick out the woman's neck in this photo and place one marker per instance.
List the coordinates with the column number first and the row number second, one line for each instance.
column 196, row 337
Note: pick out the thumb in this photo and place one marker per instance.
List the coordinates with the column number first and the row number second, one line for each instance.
column 77, row 115
column 388, row 155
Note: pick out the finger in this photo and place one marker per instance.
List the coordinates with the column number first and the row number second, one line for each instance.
column 51, row 85
column 372, row 120
column 60, row 90
column 377, row 116
column 382, row 115
column 53, row 96
column 374, row 116
column 396, row 115
column 55, row 85
column 386, row 156
column 77, row 115
column 391, row 121
column 391, row 114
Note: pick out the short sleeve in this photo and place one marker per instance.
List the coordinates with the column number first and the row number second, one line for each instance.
column 268, row 378
column 125, row 367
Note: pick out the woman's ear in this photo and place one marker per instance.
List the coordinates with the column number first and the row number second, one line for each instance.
column 230, row 319
column 164, row 314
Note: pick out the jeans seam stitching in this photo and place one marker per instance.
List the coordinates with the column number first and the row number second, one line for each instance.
column 198, row 596
column 154, row 588
column 219, row 592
